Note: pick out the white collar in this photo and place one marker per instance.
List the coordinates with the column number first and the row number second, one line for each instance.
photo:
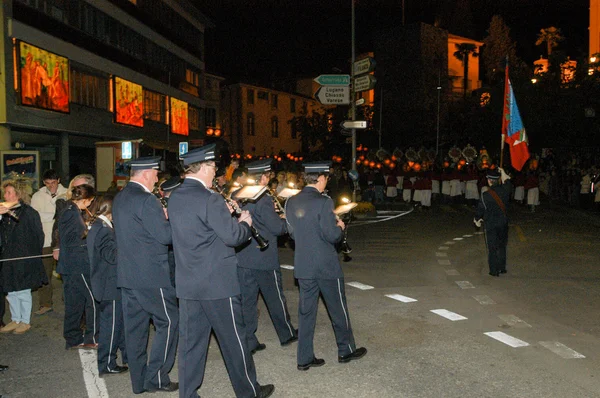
column 106, row 220
column 197, row 179
column 141, row 185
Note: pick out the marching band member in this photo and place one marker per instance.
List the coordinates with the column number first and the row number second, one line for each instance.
column 204, row 238
column 143, row 235
column 259, row 270
column 313, row 225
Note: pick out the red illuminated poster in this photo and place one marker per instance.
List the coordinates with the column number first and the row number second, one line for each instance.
column 44, row 78
column 179, row 117
column 129, row 103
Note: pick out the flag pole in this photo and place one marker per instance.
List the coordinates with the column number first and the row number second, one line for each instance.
column 504, row 108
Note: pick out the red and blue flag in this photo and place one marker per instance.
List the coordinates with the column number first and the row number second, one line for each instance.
column 513, row 130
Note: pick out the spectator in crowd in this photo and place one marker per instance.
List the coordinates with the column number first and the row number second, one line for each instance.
column 21, row 235
column 44, row 201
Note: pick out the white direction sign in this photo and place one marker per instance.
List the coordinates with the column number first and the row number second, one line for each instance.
column 333, row 95
column 364, row 66
column 354, row 124
column 364, row 83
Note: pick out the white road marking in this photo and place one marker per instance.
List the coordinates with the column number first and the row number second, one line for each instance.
column 449, row 315
column 400, row 297
column 449, row 243
column 443, row 261
column 458, row 239
column 452, row 272
column 467, row 236
column 286, row 266
column 441, row 254
column 392, row 216
column 478, row 233
column 360, row 286
column 561, row 350
column 95, row 386
column 484, row 300
column 465, row 285
column 506, row 339
column 443, row 248
column 512, row 320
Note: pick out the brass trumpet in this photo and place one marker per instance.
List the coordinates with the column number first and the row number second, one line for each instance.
column 262, row 242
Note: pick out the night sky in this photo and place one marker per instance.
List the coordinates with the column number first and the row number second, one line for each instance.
column 267, row 41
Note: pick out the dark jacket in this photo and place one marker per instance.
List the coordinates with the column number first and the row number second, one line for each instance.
column 488, row 208
column 270, row 226
column 204, row 237
column 73, row 258
column 143, row 235
column 102, row 251
column 312, row 224
column 21, row 239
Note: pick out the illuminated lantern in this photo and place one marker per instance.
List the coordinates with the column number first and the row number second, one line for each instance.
column 365, row 149
column 217, row 132
column 372, row 164
column 358, row 162
column 378, row 165
column 300, row 158
column 209, row 131
column 410, row 164
column 417, row 167
column 366, row 162
column 394, row 158
column 459, row 166
column 446, row 164
column 533, row 164
column 406, row 167
column 387, row 162
column 462, row 162
column 392, row 165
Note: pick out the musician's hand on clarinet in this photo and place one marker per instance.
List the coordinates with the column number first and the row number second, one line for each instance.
column 166, row 213
column 245, row 217
column 229, row 207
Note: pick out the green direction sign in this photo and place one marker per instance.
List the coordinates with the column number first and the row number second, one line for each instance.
column 333, row 80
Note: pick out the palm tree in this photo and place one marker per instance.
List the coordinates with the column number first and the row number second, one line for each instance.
column 551, row 36
column 463, row 50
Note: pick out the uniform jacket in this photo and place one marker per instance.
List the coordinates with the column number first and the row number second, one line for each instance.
column 143, row 235
column 73, row 258
column 270, row 226
column 312, row 224
column 102, row 251
column 21, row 239
column 43, row 202
column 488, row 208
column 204, row 237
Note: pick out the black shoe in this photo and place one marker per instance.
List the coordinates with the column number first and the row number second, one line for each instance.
column 316, row 362
column 266, row 390
column 116, row 370
column 172, row 386
column 503, row 271
column 3, row 368
column 357, row 354
column 289, row 341
column 495, row 273
column 259, row 347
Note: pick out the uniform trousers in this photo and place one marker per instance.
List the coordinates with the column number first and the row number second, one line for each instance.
column 111, row 336
column 334, row 296
column 139, row 306
column 497, row 239
column 269, row 284
column 224, row 316
column 79, row 300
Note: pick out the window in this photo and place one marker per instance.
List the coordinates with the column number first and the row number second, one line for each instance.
column 194, row 118
column 250, row 96
column 89, row 90
column 294, row 131
column 250, row 124
column 210, row 116
column 274, row 127
column 191, row 77
column 274, row 100
column 155, row 106
column 293, row 105
column 263, row 95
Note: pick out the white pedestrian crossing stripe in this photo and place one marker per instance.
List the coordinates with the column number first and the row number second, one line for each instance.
column 286, row 266
column 443, row 248
column 400, row 297
column 561, row 350
column 507, row 339
column 449, row 243
column 478, row 233
column 458, row 239
column 467, row 236
column 465, row 285
column 452, row 272
column 360, row 286
column 441, row 254
column 484, row 300
column 443, row 261
column 449, row 315
column 512, row 320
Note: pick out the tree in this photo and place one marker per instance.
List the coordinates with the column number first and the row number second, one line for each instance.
column 462, row 53
column 497, row 46
column 551, row 36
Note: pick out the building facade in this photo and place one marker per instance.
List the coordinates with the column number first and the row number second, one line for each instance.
column 256, row 120
column 78, row 72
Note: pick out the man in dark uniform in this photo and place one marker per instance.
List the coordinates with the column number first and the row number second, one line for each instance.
column 491, row 209
column 167, row 188
column 204, row 238
column 143, row 235
column 259, row 269
column 314, row 227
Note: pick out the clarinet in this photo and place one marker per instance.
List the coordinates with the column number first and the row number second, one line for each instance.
column 163, row 201
column 344, row 246
column 262, row 242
